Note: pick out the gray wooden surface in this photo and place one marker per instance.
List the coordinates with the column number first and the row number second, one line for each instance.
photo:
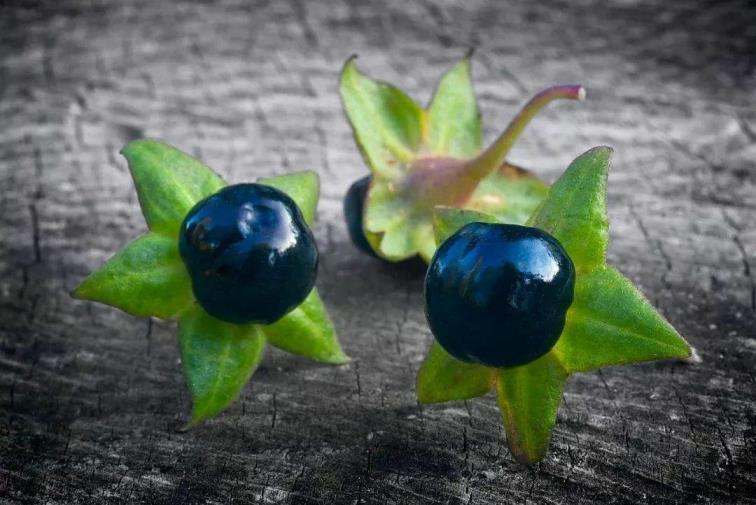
column 91, row 399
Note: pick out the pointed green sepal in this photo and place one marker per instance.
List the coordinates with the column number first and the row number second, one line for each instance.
column 406, row 237
column 454, row 127
column 147, row 278
column 529, row 397
column 218, row 360
column 307, row 331
column 611, row 323
column 510, row 193
column 575, row 210
column 426, row 247
column 303, row 187
column 444, row 378
column 389, row 218
column 168, row 182
column 387, row 124
column 448, row 220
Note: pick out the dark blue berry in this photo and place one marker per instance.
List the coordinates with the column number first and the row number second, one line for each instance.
column 354, row 205
column 497, row 294
column 249, row 253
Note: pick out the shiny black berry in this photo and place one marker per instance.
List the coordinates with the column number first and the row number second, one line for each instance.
column 249, row 253
column 354, row 204
column 497, row 294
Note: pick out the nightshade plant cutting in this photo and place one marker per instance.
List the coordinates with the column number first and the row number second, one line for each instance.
column 517, row 309
column 420, row 158
column 235, row 265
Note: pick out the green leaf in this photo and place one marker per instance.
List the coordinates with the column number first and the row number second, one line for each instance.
column 387, row 124
column 374, row 240
column 147, row 278
column 405, row 237
column 307, row 331
column 444, row 378
column 447, row 220
column 218, row 360
column 575, row 210
column 510, row 193
column 303, row 187
column 611, row 323
column 168, row 183
column 425, row 239
column 453, row 117
column 399, row 241
column 384, row 208
column 529, row 397
column 392, row 217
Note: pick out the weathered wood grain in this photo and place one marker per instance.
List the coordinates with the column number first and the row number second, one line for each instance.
column 91, row 399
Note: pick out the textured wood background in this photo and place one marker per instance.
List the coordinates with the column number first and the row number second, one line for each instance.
column 91, row 399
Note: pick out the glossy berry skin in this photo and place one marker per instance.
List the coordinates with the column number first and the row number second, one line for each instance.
column 497, row 294
column 250, row 254
column 354, row 205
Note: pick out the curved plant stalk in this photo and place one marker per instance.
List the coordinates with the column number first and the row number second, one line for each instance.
column 483, row 164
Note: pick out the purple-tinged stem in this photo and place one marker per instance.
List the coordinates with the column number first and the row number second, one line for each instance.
column 485, row 163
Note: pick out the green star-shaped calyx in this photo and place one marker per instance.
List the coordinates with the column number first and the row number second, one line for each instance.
column 608, row 323
column 148, row 278
column 420, row 158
